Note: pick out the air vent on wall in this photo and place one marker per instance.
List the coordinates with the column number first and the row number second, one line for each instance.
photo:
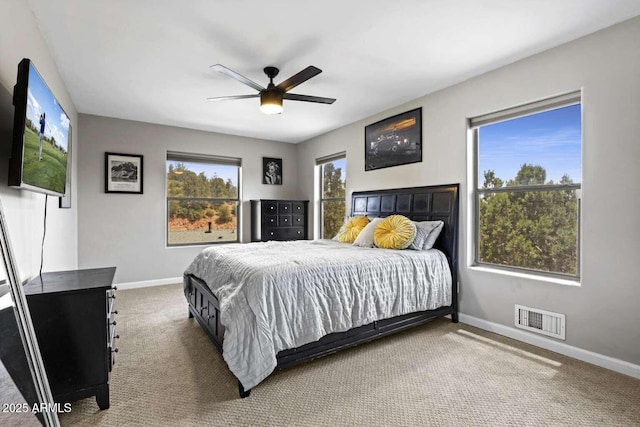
column 541, row 321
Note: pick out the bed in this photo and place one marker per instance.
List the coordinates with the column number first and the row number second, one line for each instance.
column 242, row 274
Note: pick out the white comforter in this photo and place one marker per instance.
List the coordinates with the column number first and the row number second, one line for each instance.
column 280, row 295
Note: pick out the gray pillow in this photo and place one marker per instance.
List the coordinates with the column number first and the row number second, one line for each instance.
column 427, row 233
column 365, row 238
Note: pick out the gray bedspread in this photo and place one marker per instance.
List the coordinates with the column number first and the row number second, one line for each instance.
column 280, row 295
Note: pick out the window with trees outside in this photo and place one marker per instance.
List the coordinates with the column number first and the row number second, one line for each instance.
column 528, row 164
column 333, row 181
column 203, row 199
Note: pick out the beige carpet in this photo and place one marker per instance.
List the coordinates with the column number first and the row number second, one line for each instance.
column 168, row 373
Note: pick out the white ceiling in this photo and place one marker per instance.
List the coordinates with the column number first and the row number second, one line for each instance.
column 148, row 60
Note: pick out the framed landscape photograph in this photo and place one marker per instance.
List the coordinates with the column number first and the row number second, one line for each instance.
column 271, row 171
column 123, row 173
column 394, row 141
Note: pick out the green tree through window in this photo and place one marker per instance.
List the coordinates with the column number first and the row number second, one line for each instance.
column 533, row 229
column 332, row 199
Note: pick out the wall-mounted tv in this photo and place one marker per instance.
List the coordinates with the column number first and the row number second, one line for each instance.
column 39, row 154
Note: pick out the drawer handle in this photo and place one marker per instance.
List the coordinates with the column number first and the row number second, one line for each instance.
column 115, row 350
column 112, row 296
column 271, row 233
column 115, row 288
column 114, row 323
column 115, row 311
column 117, row 337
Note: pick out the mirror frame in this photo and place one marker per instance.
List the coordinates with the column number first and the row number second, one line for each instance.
column 25, row 326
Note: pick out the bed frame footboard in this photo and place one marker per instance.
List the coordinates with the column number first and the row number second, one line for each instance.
column 205, row 308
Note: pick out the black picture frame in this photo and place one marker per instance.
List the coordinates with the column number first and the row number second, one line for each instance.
column 271, row 171
column 123, row 173
column 394, row 141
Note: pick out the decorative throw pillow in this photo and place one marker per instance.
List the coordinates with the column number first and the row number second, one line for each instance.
column 352, row 228
column 394, row 232
column 427, row 233
column 365, row 238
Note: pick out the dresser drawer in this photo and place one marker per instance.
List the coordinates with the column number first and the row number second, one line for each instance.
column 111, row 327
column 269, row 208
column 271, row 220
column 290, row 233
column 284, row 208
column 297, row 220
column 297, row 207
column 284, row 221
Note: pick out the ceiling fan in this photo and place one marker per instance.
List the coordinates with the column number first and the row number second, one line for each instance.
column 271, row 97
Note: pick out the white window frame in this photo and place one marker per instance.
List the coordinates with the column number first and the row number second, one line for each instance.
column 211, row 159
column 474, row 124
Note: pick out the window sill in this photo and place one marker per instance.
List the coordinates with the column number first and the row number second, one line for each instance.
column 528, row 276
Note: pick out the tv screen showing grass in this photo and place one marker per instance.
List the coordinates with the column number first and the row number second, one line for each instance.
column 45, row 136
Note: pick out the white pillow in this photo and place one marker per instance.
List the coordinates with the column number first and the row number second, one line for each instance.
column 427, row 233
column 365, row 238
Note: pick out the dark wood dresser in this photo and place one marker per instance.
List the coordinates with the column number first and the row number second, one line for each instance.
column 74, row 320
column 279, row 220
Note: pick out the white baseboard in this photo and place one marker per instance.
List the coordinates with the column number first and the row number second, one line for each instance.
column 147, row 283
column 552, row 345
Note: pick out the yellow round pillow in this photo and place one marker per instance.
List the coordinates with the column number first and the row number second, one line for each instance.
column 352, row 228
column 394, row 232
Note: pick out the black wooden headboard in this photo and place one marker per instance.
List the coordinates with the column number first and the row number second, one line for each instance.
column 419, row 204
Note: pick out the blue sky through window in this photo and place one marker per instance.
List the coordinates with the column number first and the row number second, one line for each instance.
column 341, row 164
column 551, row 139
column 226, row 172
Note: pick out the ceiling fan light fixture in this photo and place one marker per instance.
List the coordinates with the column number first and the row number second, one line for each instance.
column 271, row 97
column 271, row 101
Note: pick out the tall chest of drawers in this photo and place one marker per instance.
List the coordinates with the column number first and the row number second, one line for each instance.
column 279, row 220
column 74, row 320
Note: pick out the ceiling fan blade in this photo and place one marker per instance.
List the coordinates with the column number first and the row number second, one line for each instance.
column 224, row 98
column 308, row 98
column 242, row 79
column 301, row 77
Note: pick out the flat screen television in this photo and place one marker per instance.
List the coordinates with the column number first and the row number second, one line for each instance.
column 41, row 136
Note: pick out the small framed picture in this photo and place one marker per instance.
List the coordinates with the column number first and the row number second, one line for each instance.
column 271, row 171
column 123, row 173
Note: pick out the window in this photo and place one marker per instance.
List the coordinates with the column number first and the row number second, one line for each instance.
column 203, row 199
column 527, row 177
column 333, row 182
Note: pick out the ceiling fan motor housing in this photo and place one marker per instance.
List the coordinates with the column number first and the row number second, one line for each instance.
column 271, row 72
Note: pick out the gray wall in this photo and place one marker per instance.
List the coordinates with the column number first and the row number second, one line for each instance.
column 20, row 38
column 128, row 230
column 602, row 312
